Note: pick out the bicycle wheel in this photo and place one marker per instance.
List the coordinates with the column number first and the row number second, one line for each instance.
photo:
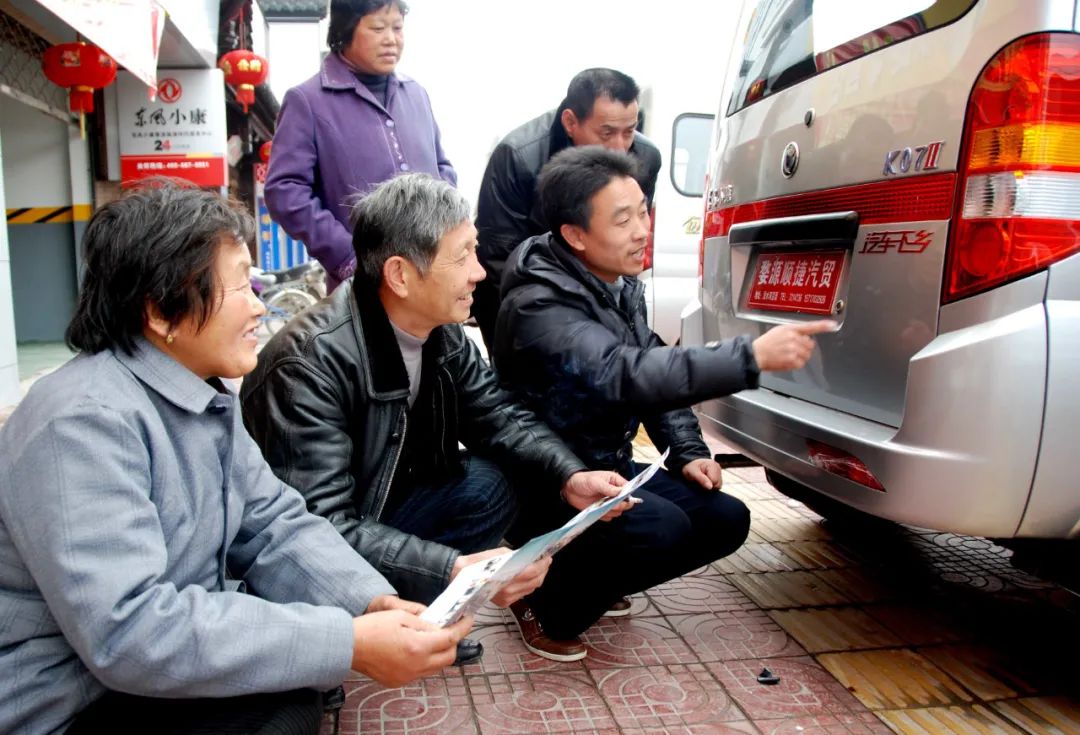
column 284, row 305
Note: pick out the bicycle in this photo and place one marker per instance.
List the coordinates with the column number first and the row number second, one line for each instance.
column 287, row 292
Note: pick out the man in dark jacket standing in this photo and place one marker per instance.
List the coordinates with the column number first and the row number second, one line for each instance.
column 601, row 108
column 361, row 401
column 572, row 340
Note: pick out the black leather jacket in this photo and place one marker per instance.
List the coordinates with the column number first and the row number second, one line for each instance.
column 328, row 405
column 589, row 365
column 507, row 210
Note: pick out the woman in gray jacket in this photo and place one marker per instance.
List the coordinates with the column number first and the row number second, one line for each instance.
column 152, row 567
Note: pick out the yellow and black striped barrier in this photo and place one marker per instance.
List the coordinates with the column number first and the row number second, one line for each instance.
column 49, row 215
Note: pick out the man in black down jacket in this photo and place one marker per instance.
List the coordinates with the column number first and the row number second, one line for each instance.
column 572, row 340
column 600, row 108
column 360, row 402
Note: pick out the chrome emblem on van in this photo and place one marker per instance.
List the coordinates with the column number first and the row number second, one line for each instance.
column 789, row 162
column 909, row 160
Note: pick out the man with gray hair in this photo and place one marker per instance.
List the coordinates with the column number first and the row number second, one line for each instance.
column 361, row 401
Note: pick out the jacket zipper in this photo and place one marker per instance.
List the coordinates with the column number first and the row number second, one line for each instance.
column 442, row 407
column 393, row 467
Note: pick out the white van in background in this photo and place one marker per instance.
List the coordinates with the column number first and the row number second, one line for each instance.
column 677, row 120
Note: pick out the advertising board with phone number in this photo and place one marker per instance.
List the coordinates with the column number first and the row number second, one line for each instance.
column 805, row 283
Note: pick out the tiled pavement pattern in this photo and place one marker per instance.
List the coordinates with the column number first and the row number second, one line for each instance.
column 896, row 630
column 892, row 630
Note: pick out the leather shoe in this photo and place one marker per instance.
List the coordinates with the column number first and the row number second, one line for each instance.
column 532, row 633
column 619, row 608
column 468, row 652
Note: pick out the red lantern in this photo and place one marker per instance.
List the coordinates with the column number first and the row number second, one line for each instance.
column 264, row 151
column 82, row 68
column 244, row 70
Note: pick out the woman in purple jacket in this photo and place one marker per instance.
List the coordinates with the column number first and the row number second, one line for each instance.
column 350, row 127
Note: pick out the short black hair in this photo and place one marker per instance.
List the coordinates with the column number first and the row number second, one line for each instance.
column 572, row 177
column 345, row 14
column 590, row 85
column 155, row 245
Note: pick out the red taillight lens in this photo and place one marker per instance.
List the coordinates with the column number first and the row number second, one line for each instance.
column 918, row 198
column 838, row 462
column 1018, row 204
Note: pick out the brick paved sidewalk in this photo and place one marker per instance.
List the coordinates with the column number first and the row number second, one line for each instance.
column 902, row 630
column 897, row 629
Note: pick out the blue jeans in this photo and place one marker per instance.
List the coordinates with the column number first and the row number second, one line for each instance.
column 470, row 513
column 678, row 528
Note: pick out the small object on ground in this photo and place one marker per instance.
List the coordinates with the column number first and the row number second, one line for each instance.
column 767, row 677
column 734, row 460
column 619, row 608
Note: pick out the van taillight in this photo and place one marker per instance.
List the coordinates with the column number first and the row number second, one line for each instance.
column 843, row 464
column 1017, row 208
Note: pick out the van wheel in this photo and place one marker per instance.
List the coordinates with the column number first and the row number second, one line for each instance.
column 841, row 518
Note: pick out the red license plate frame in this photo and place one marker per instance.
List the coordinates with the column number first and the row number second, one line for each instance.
column 803, row 282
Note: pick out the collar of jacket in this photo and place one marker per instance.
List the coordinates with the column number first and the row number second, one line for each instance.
column 547, row 258
column 336, row 75
column 558, row 139
column 174, row 382
column 387, row 378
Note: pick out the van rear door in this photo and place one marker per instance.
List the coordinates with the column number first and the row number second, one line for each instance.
column 834, row 180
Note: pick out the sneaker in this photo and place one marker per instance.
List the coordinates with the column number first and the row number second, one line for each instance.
column 618, row 609
column 533, row 635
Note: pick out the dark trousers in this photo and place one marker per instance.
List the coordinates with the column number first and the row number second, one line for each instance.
column 297, row 712
column 678, row 528
column 469, row 514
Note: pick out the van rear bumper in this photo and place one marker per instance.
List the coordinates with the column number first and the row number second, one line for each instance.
column 964, row 456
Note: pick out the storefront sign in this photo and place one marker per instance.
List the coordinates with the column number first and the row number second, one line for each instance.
column 180, row 134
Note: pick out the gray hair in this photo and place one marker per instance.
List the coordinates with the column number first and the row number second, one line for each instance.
column 405, row 216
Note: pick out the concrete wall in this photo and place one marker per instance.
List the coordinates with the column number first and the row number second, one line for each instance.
column 37, row 165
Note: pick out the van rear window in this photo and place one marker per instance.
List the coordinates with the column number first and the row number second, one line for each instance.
column 788, row 41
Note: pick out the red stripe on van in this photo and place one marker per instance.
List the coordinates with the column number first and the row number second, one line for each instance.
column 912, row 199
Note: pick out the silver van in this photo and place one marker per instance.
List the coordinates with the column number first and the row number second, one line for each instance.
column 910, row 169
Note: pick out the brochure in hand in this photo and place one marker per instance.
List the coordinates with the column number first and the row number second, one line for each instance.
column 477, row 583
